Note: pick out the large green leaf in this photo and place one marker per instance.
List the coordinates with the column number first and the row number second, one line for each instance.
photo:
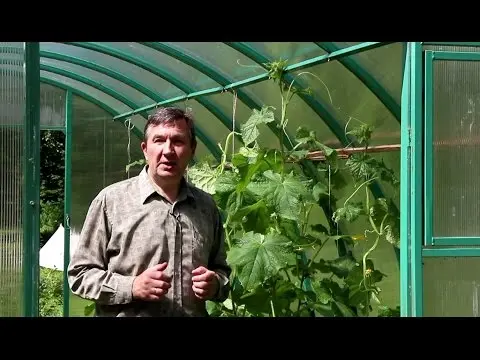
column 259, row 257
column 226, row 182
column 203, row 177
column 282, row 194
column 250, row 127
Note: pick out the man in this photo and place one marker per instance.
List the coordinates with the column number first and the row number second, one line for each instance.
column 153, row 245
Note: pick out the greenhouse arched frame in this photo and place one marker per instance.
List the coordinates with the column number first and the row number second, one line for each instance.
column 378, row 140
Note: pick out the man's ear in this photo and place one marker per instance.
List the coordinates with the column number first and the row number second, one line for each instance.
column 143, row 145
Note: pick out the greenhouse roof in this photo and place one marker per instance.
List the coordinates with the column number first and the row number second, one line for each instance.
column 223, row 82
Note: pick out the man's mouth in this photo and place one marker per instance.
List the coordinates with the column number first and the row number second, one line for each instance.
column 168, row 163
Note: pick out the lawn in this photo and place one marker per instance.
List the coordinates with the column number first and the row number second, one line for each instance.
column 11, row 282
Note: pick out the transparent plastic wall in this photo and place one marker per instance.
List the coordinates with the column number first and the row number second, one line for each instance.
column 456, row 148
column 52, row 107
column 452, row 286
column 12, row 113
column 99, row 156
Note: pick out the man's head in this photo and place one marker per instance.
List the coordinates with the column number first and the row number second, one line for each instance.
column 169, row 144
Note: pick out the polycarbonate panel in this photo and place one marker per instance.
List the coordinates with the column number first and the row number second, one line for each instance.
column 293, row 52
column 52, row 106
column 385, row 65
column 142, row 76
column 456, row 134
column 451, row 286
column 186, row 74
column 347, row 99
column 210, row 124
column 122, row 147
column 118, row 86
column 99, row 155
column 12, row 114
column 117, row 105
column 452, row 48
column 221, row 57
column 12, row 53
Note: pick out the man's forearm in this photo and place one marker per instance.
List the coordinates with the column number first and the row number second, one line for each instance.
column 101, row 286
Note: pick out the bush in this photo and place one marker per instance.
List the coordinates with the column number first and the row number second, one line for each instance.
column 51, row 292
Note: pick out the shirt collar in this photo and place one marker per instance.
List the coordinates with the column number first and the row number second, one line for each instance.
column 147, row 188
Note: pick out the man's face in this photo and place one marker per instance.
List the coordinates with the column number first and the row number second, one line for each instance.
column 168, row 150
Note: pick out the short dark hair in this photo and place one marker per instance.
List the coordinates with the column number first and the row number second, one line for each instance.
column 170, row 114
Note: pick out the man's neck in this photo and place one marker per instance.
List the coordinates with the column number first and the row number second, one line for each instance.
column 169, row 191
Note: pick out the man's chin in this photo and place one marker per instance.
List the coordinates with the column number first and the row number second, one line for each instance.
column 173, row 173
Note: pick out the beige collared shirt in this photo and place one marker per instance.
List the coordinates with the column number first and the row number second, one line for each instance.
column 130, row 227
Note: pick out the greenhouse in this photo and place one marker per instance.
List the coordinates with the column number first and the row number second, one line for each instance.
column 327, row 160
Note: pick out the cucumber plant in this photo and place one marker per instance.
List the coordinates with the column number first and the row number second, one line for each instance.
column 266, row 195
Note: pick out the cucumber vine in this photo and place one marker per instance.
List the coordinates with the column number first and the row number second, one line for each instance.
column 274, row 245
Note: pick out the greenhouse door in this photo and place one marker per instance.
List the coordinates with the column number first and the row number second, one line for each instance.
column 441, row 274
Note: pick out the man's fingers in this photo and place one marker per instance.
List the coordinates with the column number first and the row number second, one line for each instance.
column 160, row 284
column 159, row 275
column 199, row 270
column 207, row 276
column 198, row 291
column 157, row 292
column 160, row 267
column 201, row 284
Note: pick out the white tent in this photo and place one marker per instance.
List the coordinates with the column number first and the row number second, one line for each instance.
column 51, row 254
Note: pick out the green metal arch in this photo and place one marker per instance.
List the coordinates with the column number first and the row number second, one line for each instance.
column 366, row 78
column 90, row 82
column 88, row 98
column 136, row 131
column 204, row 68
column 116, row 75
column 158, row 72
column 200, row 132
column 101, row 69
column 211, row 72
column 314, row 104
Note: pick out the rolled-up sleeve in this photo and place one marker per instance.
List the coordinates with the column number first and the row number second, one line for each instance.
column 88, row 273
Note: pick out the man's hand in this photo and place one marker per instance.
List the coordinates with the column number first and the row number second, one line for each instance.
column 152, row 284
column 205, row 283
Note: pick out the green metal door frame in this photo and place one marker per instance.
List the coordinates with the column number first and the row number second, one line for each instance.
column 416, row 193
column 31, row 223
column 411, row 216
column 67, row 196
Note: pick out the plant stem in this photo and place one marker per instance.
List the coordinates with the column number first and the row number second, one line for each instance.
column 305, row 224
column 317, row 252
column 273, row 310
column 358, row 188
column 368, row 253
column 288, row 276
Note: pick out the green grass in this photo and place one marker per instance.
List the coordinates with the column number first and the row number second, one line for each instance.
column 11, row 280
column 77, row 305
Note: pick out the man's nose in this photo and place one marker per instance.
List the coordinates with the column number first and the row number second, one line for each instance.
column 167, row 147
